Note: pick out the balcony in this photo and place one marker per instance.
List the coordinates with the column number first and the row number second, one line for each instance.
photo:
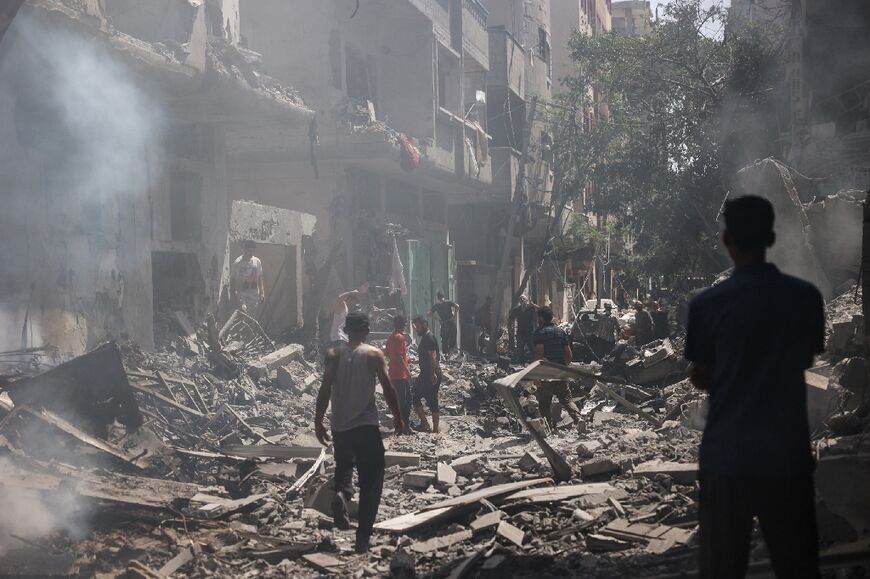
column 507, row 61
column 475, row 40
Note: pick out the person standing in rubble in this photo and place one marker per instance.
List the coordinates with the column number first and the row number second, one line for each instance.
column 755, row 457
column 661, row 322
column 429, row 381
column 246, row 279
column 643, row 325
column 524, row 317
column 606, row 332
column 553, row 344
column 350, row 371
column 400, row 368
column 446, row 311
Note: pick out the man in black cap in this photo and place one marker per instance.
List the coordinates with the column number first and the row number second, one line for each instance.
column 349, row 377
column 755, row 458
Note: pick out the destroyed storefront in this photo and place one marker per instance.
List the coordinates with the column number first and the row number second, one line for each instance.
column 118, row 199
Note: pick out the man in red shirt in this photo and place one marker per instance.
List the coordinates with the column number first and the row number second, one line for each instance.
column 399, row 370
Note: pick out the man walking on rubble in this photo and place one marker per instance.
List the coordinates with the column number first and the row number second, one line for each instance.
column 400, row 370
column 350, row 370
column 446, row 311
column 553, row 344
column 246, row 279
column 755, row 457
column 429, row 381
column 606, row 332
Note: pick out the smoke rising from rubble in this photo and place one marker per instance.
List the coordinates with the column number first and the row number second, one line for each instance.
column 30, row 516
column 103, row 119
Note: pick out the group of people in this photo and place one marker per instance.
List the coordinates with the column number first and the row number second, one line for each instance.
column 755, row 456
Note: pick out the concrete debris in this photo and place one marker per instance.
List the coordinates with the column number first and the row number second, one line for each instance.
column 235, row 454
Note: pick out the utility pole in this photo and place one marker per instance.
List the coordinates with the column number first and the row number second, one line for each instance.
column 519, row 190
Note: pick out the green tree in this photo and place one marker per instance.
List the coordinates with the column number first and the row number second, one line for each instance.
column 654, row 128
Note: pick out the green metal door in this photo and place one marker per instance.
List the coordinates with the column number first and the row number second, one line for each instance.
column 417, row 277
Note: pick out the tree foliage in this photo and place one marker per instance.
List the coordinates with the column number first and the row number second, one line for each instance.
column 654, row 128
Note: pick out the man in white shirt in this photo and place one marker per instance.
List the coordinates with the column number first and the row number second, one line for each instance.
column 246, row 279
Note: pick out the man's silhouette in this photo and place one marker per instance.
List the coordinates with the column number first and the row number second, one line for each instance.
column 749, row 340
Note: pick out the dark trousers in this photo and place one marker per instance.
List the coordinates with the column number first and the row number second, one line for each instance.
column 523, row 352
column 544, row 394
column 786, row 513
column 448, row 336
column 403, row 392
column 361, row 447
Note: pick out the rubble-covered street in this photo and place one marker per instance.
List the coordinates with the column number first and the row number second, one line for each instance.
column 434, row 289
column 224, row 477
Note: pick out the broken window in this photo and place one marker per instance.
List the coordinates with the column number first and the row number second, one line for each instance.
column 185, row 205
column 359, row 75
column 543, row 45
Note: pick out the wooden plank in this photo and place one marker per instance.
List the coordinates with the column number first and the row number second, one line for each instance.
column 184, row 557
column 566, row 492
column 561, row 469
column 513, row 534
column 54, row 420
column 441, row 542
column 169, row 401
column 277, row 451
column 322, row 562
column 414, row 520
column 489, row 492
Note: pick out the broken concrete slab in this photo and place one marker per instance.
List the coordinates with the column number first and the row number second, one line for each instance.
column 285, row 380
column 599, row 468
column 269, row 362
column 566, row 492
column 441, row 542
column 487, row 521
column 681, row 473
column 401, row 459
column 322, row 562
column 445, row 474
column 511, row 533
column 467, row 466
column 587, row 448
column 657, row 352
column 419, row 479
column 529, row 462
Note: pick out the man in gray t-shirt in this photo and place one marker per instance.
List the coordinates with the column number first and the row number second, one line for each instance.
column 349, row 385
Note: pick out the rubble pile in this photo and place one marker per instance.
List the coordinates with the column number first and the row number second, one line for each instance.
column 201, row 461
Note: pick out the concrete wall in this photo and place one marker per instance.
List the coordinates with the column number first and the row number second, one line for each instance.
column 78, row 258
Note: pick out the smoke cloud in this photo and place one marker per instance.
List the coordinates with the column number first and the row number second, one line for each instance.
column 29, row 515
column 82, row 106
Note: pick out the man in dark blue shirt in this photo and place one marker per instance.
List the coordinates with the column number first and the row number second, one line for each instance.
column 749, row 340
column 552, row 343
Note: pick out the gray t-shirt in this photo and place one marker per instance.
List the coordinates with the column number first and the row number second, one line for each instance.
column 353, row 393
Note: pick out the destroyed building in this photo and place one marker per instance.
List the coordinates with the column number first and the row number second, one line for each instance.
column 150, row 429
column 118, row 201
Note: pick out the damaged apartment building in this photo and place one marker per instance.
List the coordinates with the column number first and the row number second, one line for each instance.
column 113, row 123
column 377, row 142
